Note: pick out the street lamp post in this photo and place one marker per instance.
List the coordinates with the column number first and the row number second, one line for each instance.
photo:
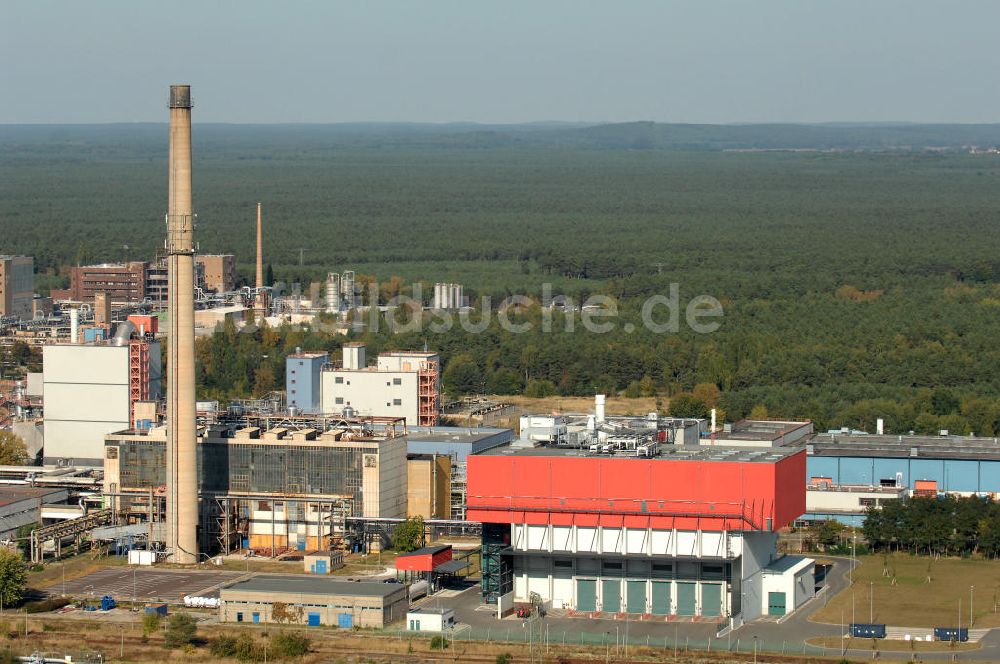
column 754, row 649
column 972, row 614
column 871, row 602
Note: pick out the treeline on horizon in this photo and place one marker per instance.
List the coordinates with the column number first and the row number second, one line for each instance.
column 854, row 285
column 935, row 525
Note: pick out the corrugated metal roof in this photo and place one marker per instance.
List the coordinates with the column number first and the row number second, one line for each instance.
column 313, row 585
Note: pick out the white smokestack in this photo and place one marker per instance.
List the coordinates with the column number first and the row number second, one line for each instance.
column 599, row 408
column 713, row 420
column 74, row 326
column 880, row 426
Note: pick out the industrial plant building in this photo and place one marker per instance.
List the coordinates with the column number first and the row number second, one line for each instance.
column 125, row 283
column 92, row 389
column 677, row 530
column 303, row 387
column 17, row 286
column 217, row 272
column 759, row 433
column 457, row 444
column 268, row 488
column 312, row 601
column 402, row 384
column 847, row 473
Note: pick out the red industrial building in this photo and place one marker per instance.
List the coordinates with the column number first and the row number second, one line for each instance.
column 680, row 530
column 426, row 559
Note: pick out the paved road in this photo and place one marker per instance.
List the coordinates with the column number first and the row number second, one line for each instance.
column 787, row 636
column 149, row 584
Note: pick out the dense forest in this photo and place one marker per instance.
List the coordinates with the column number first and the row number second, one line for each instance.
column 858, row 280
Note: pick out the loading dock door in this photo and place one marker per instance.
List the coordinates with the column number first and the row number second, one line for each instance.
column 313, row 619
column 345, row 620
column 611, row 591
column 635, row 596
column 661, row 598
column 586, row 595
column 711, row 599
column 776, row 604
column 686, row 598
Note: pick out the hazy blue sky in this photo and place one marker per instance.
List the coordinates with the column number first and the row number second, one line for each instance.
column 502, row 61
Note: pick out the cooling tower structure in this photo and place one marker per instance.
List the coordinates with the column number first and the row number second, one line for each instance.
column 182, row 471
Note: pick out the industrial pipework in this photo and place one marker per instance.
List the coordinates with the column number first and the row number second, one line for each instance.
column 182, row 471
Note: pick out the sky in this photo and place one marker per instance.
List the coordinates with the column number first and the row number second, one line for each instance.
column 501, row 61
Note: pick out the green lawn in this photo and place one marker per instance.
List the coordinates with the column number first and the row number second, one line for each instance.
column 904, row 596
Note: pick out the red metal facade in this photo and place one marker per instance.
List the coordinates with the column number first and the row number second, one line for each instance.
column 423, row 562
column 636, row 493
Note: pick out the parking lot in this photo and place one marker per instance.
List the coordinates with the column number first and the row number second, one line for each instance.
column 146, row 584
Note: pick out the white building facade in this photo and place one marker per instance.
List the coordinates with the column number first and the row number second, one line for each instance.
column 86, row 394
column 400, row 384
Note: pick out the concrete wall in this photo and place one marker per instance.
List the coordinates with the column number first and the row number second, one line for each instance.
column 428, row 487
column 367, row 612
column 559, row 585
column 798, row 586
column 302, row 382
column 758, row 551
column 86, row 393
column 621, row 541
column 371, row 393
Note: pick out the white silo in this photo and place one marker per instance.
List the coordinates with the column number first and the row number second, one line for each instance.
column 333, row 293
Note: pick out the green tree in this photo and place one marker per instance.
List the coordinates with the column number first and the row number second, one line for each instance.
column 759, row 412
column 409, row 535
column 462, row 375
column 150, row 623
column 539, row 387
column 181, row 631
column 687, row 405
column 23, row 537
column 13, row 451
column 13, row 577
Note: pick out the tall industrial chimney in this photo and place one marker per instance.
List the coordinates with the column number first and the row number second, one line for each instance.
column 259, row 300
column 260, row 253
column 182, row 483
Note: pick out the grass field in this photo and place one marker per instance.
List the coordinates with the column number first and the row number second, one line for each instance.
column 903, row 595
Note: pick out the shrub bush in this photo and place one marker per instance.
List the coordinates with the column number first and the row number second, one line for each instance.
column 439, row 643
column 289, row 644
column 46, row 605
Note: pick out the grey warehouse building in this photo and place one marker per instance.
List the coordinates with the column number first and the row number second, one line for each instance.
column 314, row 601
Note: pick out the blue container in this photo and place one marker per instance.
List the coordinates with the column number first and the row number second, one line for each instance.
column 107, row 603
column 157, row 608
column 867, row 631
column 951, row 633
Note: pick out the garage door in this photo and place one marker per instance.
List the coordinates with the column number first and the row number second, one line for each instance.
column 776, row 604
column 586, row 595
column 685, row 599
column 635, row 596
column 711, row 599
column 661, row 598
column 313, row 619
column 345, row 620
column 611, row 591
